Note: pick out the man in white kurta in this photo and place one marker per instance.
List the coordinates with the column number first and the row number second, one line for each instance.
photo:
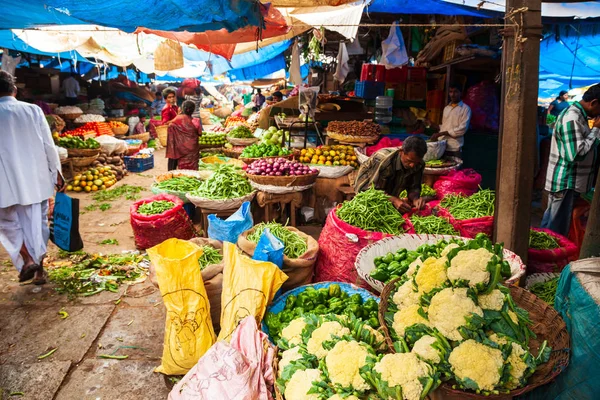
column 29, row 172
column 455, row 123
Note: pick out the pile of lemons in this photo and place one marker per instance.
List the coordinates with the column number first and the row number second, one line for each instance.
column 93, row 180
column 338, row 155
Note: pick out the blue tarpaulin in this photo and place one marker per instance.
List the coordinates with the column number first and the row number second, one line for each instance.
column 422, row 7
column 258, row 71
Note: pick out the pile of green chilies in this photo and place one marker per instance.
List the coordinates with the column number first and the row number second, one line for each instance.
column 155, row 207
column 432, row 225
column 372, row 210
column 180, row 184
column 426, row 191
column 434, row 163
column 546, row 290
column 480, row 204
column 209, row 256
column 225, row 183
column 293, row 245
column 542, row 241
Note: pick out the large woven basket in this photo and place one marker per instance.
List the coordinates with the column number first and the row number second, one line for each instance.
column 353, row 139
column 302, row 180
column 144, row 137
column 231, row 153
column 251, row 160
column 83, row 152
column 547, row 325
column 70, row 117
column 118, row 119
column 226, row 204
column 122, row 130
column 162, row 131
column 83, row 161
column 242, row 142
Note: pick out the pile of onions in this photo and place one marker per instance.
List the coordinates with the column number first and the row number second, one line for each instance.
column 279, row 167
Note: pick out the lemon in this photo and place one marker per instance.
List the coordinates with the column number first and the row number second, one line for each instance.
column 88, row 188
column 69, row 188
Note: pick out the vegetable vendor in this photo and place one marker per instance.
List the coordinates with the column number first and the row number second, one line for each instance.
column 455, row 123
column 572, row 158
column 169, row 111
column 395, row 170
column 29, row 173
column 559, row 104
column 183, row 148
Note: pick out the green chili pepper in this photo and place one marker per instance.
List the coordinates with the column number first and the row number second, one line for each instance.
column 209, row 256
column 480, row 204
column 226, row 182
column 432, row 225
column 294, row 245
column 542, row 241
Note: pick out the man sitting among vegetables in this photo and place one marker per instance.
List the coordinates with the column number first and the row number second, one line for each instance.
column 394, row 170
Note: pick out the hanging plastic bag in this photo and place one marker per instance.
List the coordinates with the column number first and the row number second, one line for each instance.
column 188, row 329
column 228, row 230
column 342, row 69
column 269, row 248
column 248, row 287
column 393, row 49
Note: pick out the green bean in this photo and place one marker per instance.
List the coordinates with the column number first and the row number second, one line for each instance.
column 293, row 244
column 542, row 241
column 426, row 191
column 209, row 256
column 546, row 290
column 226, row 182
column 480, row 204
column 432, row 225
column 180, row 184
column 372, row 210
column 155, row 207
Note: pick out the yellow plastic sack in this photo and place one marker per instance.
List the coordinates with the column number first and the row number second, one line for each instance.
column 188, row 330
column 248, row 287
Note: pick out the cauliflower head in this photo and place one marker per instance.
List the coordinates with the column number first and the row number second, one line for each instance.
column 513, row 316
column 339, row 397
column 424, row 349
column 287, row 357
column 414, row 266
column 300, row 383
column 492, row 301
column 473, row 361
column 448, row 249
column 518, row 366
column 405, row 295
column 379, row 338
column 431, row 275
column 406, row 317
column 499, row 340
column 293, row 332
column 448, row 310
column 404, row 369
column 344, row 362
column 322, row 334
column 470, row 265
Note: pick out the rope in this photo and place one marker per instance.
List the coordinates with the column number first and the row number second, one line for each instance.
column 515, row 16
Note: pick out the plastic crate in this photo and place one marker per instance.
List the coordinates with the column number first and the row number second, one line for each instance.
column 139, row 164
column 369, row 90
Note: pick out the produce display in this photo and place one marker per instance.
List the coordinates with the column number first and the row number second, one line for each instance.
column 209, row 256
column 480, row 204
column 232, row 122
column 329, row 155
column 432, row 225
column 115, row 163
column 117, row 125
column 101, row 128
column 434, row 163
column 275, row 136
column 279, row 167
column 372, row 210
column 542, row 241
column 212, row 139
column 183, row 184
column 75, row 142
column 241, row 132
column 264, row 150
column 293, row 245
column 77, row 132
column 66, row 110
column 354, row 128
column 93, row 180
column 226, row 182
column 426, row 191
column 546, row 290
column 85, row 118
column 451, row 311
column 155, row 207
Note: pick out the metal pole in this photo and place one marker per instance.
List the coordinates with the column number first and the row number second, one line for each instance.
column 591, row 241
column 521, row 52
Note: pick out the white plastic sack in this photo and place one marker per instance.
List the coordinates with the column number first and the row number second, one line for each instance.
column 111, row 145
column 63, row 153
column 393, row 49
column 133, row 121
column 342, row 69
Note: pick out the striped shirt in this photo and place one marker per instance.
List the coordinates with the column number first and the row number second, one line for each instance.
column 573, row 152
column 385, row 171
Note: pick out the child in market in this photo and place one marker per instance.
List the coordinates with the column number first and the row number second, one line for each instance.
column 141, row 126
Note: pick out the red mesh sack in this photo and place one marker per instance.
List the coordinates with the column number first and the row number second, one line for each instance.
column 464, row 182
column 551, row 260
column 485, row 107
column 339, row 244
column 442, row 212
column 150, row 230
column 471, row 227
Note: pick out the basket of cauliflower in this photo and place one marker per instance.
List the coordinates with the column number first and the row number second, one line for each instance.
column 483, row 338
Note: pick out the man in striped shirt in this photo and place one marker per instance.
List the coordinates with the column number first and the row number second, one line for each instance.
column 572, row 159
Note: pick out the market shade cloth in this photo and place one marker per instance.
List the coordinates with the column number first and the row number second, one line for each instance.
column 585, row 9
column 421, row 7
column 8, row 40
column 222, row 42
column 296, row 28
column 306, row 3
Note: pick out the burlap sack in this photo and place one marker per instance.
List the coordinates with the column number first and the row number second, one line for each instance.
column 299, row 270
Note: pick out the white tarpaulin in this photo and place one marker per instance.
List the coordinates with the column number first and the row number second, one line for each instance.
column 342, row 69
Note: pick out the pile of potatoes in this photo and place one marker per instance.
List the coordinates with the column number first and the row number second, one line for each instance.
column 115, row 162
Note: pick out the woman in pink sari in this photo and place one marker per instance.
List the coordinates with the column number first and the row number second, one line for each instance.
column 168, row 113
column 183, row 149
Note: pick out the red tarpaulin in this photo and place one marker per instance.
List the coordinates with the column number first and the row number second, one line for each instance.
column 222, row 42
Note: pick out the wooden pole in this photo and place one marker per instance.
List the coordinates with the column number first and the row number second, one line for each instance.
column 521, row 52
column 591, row 241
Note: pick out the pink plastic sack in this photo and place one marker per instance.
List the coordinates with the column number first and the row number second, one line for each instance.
column 552, row 260
column 384, row 143
column 485, row 107
column 464, row 182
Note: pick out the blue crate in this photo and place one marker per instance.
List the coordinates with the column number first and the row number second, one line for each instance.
column 369, row 90
column 139, row 164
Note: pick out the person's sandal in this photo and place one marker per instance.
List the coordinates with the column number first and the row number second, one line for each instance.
column 28, row 272
column 42, row 280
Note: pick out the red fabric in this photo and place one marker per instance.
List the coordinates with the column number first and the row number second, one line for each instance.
column 223, row 42
column 339, row 244
column 385, row 142
column 187, row 87
column 182, row 143
column 168, row 113
column 552, row 260
column 485, row 107
column 464, row 182
column 150, row 230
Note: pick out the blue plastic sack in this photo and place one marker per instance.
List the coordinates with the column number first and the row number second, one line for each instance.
column 64, row 228
column 269, row 248
column 228, row 230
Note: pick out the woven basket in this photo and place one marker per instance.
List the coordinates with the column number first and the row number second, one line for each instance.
column 122, row 130
column 546, row 324
column 144, row 137
column 302, row 180
column 208, row 146
column 176, row 173
column 353, row 139
column 242, row 142
column 83, row 161
column 226, row 204
column 83, row 152
column 117, row 119
column 132, row 150
column 231, row 153
column 251, row 160
column 70, row 117
column 162, row 131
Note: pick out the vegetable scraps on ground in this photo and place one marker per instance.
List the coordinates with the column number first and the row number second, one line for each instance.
column 183, row 184
column 293, row 244
column 279, row 167
column 432, row 225
column 209, row 256
column 546, row 290
column 452, row 312
column 372, row 210
column 480, row 204
column 227, row 182
column 155, row 207
column 542, row 241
